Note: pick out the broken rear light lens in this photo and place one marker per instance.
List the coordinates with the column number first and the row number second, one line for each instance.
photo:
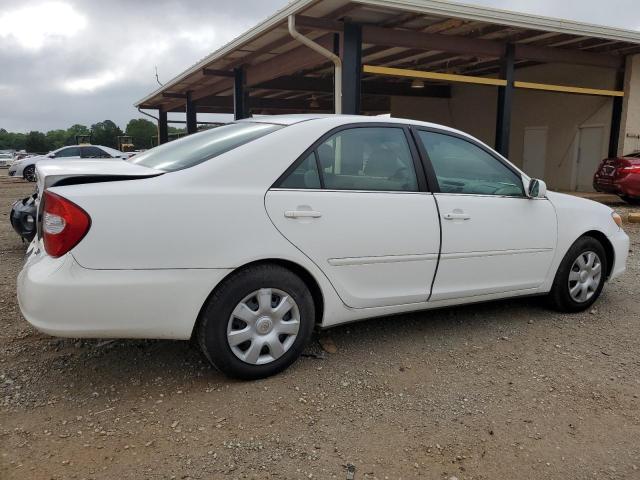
column 64, row 224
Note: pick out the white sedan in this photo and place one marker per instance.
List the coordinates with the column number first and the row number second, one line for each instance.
column 247, row 236
column 26, row 167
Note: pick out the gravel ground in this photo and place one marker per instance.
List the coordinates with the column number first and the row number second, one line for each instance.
column 502, row 390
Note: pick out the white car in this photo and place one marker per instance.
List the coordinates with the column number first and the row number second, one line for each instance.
column 248, row 236
column 26, row 168
column 5, row 158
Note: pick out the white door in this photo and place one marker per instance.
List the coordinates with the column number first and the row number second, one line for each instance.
column 365, row 221
column 590, row 148
column 535, row 151
column 494, row 239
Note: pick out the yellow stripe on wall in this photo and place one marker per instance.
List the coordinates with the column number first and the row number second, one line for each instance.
column 447, row 77
column 566, row 89
column 496, row 82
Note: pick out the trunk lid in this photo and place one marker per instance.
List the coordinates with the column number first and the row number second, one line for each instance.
column 75, row 172
column 88, row 171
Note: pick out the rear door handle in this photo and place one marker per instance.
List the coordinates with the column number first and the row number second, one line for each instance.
column 302, row 214
column 457, row 216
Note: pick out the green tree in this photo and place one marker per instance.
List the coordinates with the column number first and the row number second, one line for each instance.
column 105, row 133
column 56, row 139
column 36, row 142
column 142, row 131
column 74, row 130
column 11, row 141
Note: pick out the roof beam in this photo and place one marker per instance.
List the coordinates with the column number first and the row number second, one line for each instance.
column 465, row 46
column 297, row 59
column 559, row 55
column 174, row 95
column 226, row 103
column 321, row 85
column 217, row 73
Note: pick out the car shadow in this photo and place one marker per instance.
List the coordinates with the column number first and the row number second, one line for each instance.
column 94, row 366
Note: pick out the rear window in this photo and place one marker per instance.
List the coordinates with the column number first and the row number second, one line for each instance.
column 200, row 147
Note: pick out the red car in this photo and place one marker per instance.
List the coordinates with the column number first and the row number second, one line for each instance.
column 620, row 176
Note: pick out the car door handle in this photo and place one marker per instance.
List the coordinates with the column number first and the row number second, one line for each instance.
column 302, row 214
column 457, row 216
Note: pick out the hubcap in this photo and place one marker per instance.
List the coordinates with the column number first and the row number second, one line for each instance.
column 585, row 277
column 263, row 326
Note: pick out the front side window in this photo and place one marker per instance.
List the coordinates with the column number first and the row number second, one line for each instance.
column 198, row 148
column 462, row 167
column 361, row 159
column 68, row 152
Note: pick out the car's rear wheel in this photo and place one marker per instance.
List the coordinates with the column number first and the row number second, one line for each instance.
column 631, row 200
column 581, row 276
column 257, row 322
column 29, row 173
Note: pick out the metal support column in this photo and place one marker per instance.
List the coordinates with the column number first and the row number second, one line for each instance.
column 163, row 127
column 351, row 69
column 192, row 118
column 616, row 117
column 505, row 102
column 240, row 94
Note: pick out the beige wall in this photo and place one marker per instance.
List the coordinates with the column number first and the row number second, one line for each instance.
column 630, row 128
column 473, row 109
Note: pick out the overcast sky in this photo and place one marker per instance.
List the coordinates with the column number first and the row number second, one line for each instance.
column 82, row 61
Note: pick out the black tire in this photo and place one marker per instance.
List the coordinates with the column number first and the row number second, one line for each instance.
column 631, row 201
column 29, row 173
column 560, row 297
column 215, row 319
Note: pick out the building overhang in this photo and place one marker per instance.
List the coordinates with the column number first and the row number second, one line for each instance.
column 421, row 35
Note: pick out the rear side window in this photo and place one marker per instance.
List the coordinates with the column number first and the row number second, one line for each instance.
column 361, row 159
column 462, row 167
column 68, row 152
column 305, row 176
column 94, row 152
column 200, row 147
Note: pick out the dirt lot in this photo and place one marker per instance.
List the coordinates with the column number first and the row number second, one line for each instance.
column 503, row 390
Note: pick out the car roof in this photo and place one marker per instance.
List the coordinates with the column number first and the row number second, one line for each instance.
column 110, row 150
column 347, row 119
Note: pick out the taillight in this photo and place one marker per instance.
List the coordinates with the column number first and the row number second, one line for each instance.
column 631, row 169
column 64, row 224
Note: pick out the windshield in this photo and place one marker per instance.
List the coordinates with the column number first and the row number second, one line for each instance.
column 200, row 147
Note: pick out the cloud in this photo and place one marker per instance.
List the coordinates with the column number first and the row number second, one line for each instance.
column 32, row 26
column 82, row 61
column 93, row 83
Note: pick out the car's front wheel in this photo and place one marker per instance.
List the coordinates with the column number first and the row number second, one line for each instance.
column 257, row 322
column 29, row 173
column 581, row 276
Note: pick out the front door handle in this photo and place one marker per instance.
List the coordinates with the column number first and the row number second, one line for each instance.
column 302, row 214
column 457, row 216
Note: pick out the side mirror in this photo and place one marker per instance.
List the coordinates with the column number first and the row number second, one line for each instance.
column 52, row 155
column 537, row 189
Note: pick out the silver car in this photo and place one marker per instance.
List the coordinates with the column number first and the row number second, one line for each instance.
column 26, row 168
column 5, row 159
